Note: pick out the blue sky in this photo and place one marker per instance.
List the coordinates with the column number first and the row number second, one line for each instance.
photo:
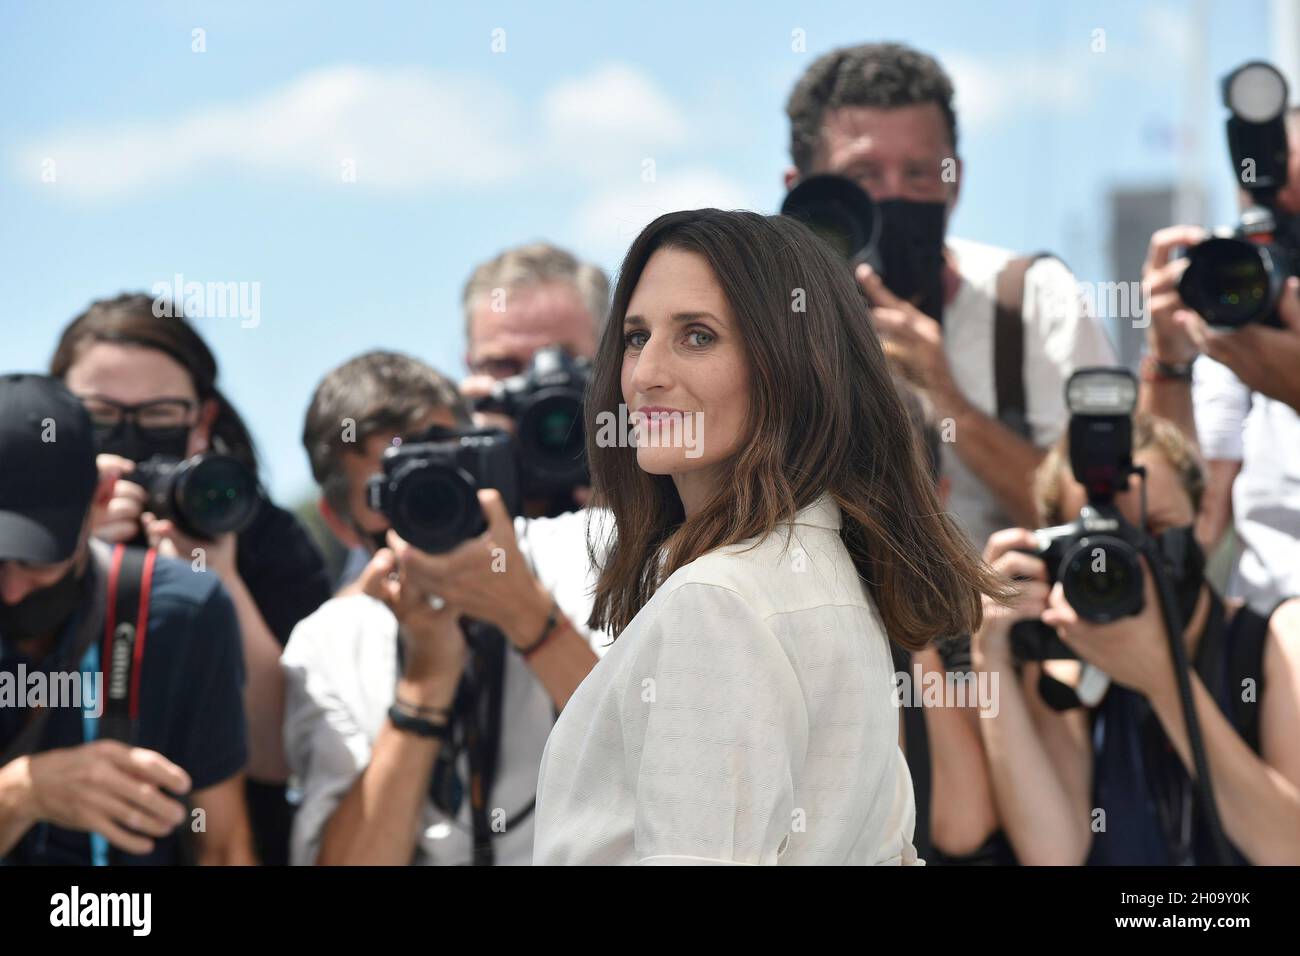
column 227, row 165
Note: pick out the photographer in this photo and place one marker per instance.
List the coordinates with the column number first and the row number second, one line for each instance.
column 100, row 778
column 1003, row 332
column 1111, row 782
column 1240, row 398
column 391, row 718
column 149, row 383
column 526, row 299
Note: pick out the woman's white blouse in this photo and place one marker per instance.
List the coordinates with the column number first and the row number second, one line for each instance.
column 745, row 716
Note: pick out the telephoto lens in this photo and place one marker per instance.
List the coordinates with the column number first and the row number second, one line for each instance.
column 839, row 211
column 206, row 496
column 1232, row 282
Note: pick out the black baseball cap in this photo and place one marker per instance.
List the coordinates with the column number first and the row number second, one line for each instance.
column 47, row 469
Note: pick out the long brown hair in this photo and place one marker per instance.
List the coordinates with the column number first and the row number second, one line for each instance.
column 130, row 319
column 826, row 418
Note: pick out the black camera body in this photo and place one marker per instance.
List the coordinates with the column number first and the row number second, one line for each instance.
column 546, row 402
column 428, row 489
column 1095, row 560
column 207, row 495
column 1236, row 279
column 1096, row 557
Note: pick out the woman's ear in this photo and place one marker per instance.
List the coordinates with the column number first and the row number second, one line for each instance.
column 201, row 434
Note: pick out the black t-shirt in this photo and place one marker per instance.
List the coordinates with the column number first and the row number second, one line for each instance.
column 282, row 568
column 285, row 573
column 191, row 703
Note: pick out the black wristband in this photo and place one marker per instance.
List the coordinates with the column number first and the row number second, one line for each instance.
column 410, row 724
column 417, row 711
column 552, row 619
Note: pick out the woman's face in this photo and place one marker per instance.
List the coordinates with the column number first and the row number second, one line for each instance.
column 105, row 375
column 1168, row 505
column 684, row 371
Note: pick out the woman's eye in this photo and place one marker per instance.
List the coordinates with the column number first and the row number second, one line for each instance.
column 633, row 340
column 700, row 333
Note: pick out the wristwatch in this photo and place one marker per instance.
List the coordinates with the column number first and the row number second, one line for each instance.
column 1154, row 370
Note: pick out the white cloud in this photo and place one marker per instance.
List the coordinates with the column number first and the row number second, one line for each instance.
column 405, row 129
column 392, row 123
column 410, row 130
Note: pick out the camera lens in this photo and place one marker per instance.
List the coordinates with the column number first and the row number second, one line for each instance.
column 1228, row 281
column 434, row 507
column 1102, row 579
column 839, row 211
column 214, row 495
column 552, row 434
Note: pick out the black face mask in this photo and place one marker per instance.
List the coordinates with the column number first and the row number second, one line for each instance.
column 911, row 252
column 131, row 442
column 1184, row 565
column 41, row 612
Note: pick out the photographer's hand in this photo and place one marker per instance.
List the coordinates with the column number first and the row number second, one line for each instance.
column 435, row 646
column 1167, row 342
column 124, row 793
column 1036, row 757
column 115, row 514
column 217, row 556
column 1002, row 460
column 991, row 643
column 1264, row 358
column 378, row 821
column 1133, row 651
column 489, row 580
column 912, row 339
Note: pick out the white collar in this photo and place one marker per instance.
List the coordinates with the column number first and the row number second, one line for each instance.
column 822, row 513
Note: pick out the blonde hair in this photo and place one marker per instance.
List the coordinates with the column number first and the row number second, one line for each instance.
column 532, row 264
column 1149, row 431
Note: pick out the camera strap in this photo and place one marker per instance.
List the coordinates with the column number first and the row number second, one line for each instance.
column 1009, row 343
column 1173, row 792
column 126, row 626
column 129, row 587
column 477, row 728
column 485, row 673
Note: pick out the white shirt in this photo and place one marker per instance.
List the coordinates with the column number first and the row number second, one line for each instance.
column 746, row 715
column 340, row 670
column 1235, row 424
column 1060, row 336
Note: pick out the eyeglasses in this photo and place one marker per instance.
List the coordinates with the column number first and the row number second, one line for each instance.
column 498, row 368
column 160, row 415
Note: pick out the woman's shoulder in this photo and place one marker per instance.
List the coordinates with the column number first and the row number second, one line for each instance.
column 801, row 563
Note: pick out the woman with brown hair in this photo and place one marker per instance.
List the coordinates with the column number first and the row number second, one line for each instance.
column 150, row 384
column 755, row 573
